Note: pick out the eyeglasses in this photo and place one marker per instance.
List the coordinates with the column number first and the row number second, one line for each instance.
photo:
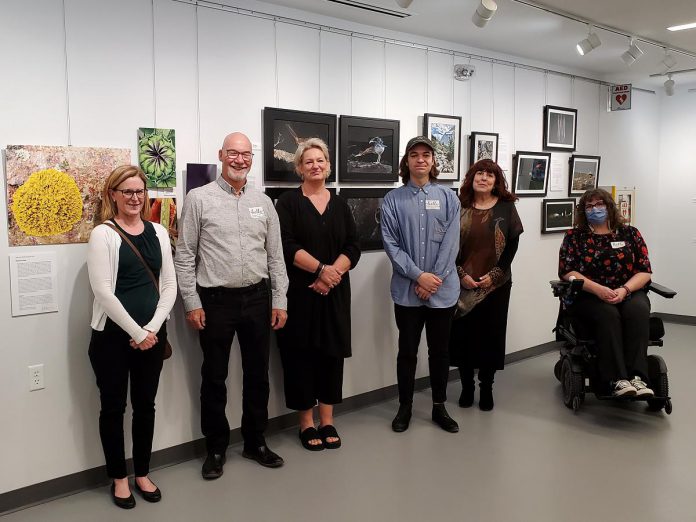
column 129, row 193
column 234, row 154
column 599, row 204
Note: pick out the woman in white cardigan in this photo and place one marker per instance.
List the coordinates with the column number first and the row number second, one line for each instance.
column 128, row 325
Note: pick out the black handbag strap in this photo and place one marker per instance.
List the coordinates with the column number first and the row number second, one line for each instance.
column 136, row 252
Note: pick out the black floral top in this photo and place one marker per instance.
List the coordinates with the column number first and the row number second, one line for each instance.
column 607, row 259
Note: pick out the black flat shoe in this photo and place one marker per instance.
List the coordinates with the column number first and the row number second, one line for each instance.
column 212, row 467
column 311, row 434
column 149, row 496
column 442, row 419
column 123, row 503
column 264, row 456
column 402, row 419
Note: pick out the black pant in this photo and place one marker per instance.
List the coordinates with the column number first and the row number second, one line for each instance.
column 410, row 321
column 246, row 312
column 621, row 332
column 113, row 361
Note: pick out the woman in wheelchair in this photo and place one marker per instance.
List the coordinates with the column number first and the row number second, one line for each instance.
column 612, row 259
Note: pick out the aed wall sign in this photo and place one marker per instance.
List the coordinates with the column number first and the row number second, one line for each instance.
column 620, row 97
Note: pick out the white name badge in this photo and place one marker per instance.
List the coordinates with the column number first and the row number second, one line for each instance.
column 432, row 204
column 618, row 244
column 257, row 212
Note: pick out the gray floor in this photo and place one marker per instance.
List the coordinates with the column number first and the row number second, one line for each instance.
column 531, row 459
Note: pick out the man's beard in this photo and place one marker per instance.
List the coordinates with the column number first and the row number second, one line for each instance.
column 237, row 175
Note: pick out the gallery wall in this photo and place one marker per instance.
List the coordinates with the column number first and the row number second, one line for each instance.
column 91, row 73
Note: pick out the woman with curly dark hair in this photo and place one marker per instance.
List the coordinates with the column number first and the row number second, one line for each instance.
column 612, row 259
column 489, row 237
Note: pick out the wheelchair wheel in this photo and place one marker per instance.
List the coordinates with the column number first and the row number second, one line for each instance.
column 572, row 384
column 557, row 369
column 660, row 384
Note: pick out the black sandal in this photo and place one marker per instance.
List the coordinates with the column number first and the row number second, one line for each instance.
column 310, row 434
column 329, row 431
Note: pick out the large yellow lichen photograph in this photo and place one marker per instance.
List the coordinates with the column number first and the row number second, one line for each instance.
column 53, row 192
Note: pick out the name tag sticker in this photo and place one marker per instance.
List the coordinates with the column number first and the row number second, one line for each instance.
column 432, row 204
column 257, row 212
column 618, row 244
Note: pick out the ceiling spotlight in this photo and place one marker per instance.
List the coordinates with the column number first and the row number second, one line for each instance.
column 484, row 13
column 588, row 44
column 669, row 86
column 668, row 62
column 632, row 54
column 404, row 3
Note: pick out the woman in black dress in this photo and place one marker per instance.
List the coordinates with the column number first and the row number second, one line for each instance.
column 490, row 231
column 320, row 246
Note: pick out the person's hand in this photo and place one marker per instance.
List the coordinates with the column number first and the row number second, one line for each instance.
column 320, row 287
column 147, row 343
column 606, row 294
column 196, row 318
column 468, row 282
column 278, row 318
column 429, row 282
column 485, row 281
column 621, row 294
column 422, row 293
column 331, row 276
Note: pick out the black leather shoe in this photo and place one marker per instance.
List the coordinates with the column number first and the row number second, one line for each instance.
column 212, row 467
column 264, row 456
column 123, row 503
column 402, row 419
column 149, row 496
column 442, row 419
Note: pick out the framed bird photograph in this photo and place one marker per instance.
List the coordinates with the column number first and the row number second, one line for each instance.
column 531, row 173
column 369, row 149
column 583, row 174
column 560, row 128
column 557, row 215
column 365, row 205
column 445, row 133
column 284, row 130
column 483, row 145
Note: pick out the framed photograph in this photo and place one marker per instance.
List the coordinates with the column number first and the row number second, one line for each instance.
column 483, row 145
column 626, row 201
column 583, row 174
column 557, row 215
column 199, row 174
column 445, row 133
column 530, row 176
column 560, row 128
column 284, row 130
column 365, row 205
column 369, row 149
column 275, row 192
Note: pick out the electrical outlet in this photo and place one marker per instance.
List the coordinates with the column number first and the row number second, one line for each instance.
column 36, row 377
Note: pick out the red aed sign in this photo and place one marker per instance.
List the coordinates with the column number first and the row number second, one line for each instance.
column 620, row 97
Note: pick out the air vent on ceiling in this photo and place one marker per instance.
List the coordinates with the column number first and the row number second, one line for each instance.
column 371, row 8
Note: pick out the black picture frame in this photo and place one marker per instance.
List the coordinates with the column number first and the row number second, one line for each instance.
column 275, row 192
column 199, row 174
column 476, row 141
column 560, row 128
column 526, row 172
column 557, row 215
column 283, row 129
column 365, row 206
column 377, row 141
column 446, row 133
column 582, row 171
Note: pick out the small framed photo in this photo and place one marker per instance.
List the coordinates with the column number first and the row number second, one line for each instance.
column 445, row 133
column 199, row 174
column 483, row 145
column 284, row 130
column 531, row 173
column 557, row 215
column 626, row 201
column 366, row 207
column 560, row 128
column 583, row 174
column 369, row 149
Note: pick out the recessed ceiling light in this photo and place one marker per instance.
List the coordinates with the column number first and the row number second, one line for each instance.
column 682, row 27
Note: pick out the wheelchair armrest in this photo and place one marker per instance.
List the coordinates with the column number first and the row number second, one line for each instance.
column 566, row 288
column 665, row 292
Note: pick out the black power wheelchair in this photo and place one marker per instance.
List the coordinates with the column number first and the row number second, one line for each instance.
column 577, row 367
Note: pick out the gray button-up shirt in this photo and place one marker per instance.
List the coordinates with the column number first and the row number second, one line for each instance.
column 229, row 240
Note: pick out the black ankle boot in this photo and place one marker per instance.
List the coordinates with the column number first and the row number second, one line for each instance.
column 486, row 397
column 403, row 418
column 442, row 419
column 466, row 399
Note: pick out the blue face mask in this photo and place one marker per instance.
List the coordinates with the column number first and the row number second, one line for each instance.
column 596, row 216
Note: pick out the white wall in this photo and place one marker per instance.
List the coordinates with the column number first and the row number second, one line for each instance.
column 135, row 63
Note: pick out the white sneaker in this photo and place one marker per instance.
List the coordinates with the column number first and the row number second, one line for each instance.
column 623, row 387
column 642, row 389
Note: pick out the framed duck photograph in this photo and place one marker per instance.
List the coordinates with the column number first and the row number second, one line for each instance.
column 583, row 174
column 369, row 149
column 365, row 205
column 445, row 133
column 560, row 128
column 483, row 145
column 530, row 176
column 557, row 215
column 284, row 130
